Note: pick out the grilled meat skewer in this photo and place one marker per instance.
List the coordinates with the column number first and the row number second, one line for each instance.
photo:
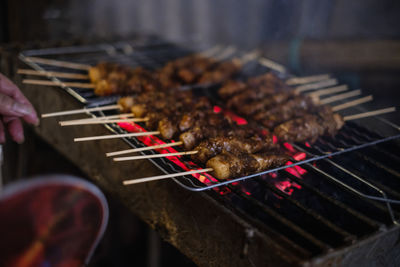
column 220, row 72
column 111, row 78
column 310, row 126
column 296, row 107
column 233, row 144
column 227, row 165
column 268, row 80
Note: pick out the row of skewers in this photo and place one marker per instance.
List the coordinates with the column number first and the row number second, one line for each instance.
column 107, row 78
column 211, row 139
column 111, row 78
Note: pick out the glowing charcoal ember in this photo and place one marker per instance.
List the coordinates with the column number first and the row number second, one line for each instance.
column 299, row 156
column 273, row 175
column 293, row 172
column 231, row 115
column 300, row 170
column 287, row 187
column 217, row 109
column 289, row 147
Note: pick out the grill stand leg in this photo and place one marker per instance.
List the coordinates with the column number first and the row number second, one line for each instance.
column 153, row 249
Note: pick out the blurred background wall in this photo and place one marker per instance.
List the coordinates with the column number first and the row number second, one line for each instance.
column 243, row 23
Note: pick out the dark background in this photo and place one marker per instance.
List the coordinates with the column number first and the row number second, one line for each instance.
column 357, row 40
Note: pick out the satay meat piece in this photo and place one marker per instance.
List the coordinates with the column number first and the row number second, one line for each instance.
column 270, row 101
column 310, row 127
column 230, row 88
column 227, row 165
column 190, row 73
column 126, row 103
column 221, row 72
column 269, row 80
column 296, row 107
column 214, row 125
column 100, row 71
column 306, row 128
column 247, row 96
column 105, row 87
column 211, row 147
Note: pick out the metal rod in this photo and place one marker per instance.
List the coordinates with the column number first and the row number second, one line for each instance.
column 384, row 197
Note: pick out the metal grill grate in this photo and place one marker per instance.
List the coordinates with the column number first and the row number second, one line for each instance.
column 358, row 203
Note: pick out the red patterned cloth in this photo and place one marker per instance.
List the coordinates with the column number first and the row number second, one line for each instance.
column 50, row 222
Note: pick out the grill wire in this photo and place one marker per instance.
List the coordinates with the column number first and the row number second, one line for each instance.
column 153, row 53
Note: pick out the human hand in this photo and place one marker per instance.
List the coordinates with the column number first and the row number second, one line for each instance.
column 13, row 107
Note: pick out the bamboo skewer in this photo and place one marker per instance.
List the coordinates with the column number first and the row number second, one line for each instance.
column 210, row 52
column 335, row 98
column 328, row 91
column 103, row 121
column 156, row 156
column 317, row 85
column 369, row 114
column 307, row 79
column 353, row 103
column 160, row 177
column 118, row 116
column 54, row 73
column 62, row 84
column 59, row 63
column 227, row 52
column 82, row 110
column 112, row 136
column 134, row 150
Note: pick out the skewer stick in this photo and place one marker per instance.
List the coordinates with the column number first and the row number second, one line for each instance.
column 307, row 79
column 127, row 151
column 118, row 116
column 328, row 91
column 53, row 73
column 62, row 84
column 339, row 97
column 82, row 110
column 156, row 156
column 59, row 63
column 210, row 52
column 160, row 177
column 353, row 103
column 369, row 114
column 316, row 85
column 103, row 121
column 112, row 136
column 249, row 57
column 227, row 52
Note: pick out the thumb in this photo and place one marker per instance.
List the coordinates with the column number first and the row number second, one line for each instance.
column 10, row 107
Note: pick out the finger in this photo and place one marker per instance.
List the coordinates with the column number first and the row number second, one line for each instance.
column 8, row 88
column 2, row 133
column 32, row 117
column 10, row 107
column 15, row 129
